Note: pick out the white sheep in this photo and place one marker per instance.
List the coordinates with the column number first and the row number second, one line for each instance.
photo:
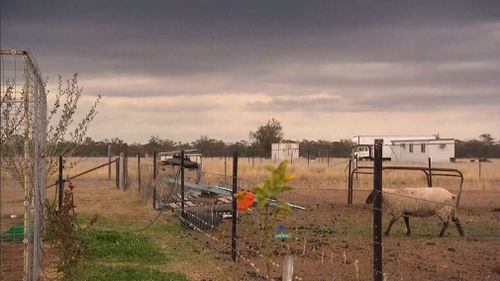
column 419, row 202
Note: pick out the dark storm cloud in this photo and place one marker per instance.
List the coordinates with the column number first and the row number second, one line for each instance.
column 409, row 54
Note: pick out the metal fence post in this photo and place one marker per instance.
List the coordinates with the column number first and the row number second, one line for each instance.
column 60, row 183
column 182, row 183
column 430, row 172
column 349, row 184
column 377, row 211
column 235, row 209
column 154, row 179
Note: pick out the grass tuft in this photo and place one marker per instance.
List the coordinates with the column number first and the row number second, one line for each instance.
column 122, row 247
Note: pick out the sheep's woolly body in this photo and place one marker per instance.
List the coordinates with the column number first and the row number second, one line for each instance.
column 420, row 202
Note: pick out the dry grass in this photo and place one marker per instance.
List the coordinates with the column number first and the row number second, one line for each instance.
column 317, row 174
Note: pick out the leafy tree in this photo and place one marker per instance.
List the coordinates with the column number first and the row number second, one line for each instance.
column 208, row 146
column 266, row 135
column 155, row 143
column 270, row 207
column 485, row 146
column 486, row 138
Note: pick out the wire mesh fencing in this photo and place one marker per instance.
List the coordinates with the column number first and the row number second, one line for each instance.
column 23, row 165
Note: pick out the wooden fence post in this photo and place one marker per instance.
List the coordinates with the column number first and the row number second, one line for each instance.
column 109, row 160
column 139, row 172
column 121, row 172
column 117, row 172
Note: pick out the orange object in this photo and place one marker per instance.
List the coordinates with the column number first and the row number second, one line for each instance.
column 245, row 202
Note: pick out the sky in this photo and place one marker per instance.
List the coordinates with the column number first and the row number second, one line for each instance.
column 324, row 69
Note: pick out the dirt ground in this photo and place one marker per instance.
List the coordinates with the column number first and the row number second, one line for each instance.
column 329, row 240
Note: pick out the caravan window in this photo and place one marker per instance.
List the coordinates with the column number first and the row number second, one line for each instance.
column 411, row 147
column 442, row 145
column 422, row 148
column 403, row 145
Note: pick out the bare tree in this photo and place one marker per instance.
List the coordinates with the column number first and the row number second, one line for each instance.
column 11, row 114
column 64, row 134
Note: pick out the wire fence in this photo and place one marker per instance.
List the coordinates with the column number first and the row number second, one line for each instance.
column 327, row 238
column 23, row 166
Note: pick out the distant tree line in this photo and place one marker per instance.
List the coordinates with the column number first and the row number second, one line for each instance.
column 212, row 147
column 484, row 147
column 475, row 148
column 260, row 144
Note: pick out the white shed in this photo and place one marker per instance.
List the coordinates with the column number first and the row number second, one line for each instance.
column 284, row 151
column 411, row 150
column 363, row 144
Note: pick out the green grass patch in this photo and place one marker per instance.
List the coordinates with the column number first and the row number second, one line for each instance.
column 121, row 247
column 126, row 273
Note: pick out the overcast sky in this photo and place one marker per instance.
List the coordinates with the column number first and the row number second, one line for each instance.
column 325, row 69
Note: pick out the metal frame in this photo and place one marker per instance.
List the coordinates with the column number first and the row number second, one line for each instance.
column 33, row 128
column 428, row 171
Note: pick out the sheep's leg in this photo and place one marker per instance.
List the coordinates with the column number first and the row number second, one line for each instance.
column 393, row 220
column 458, row 225
column 407, row 222
column 443, row 228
